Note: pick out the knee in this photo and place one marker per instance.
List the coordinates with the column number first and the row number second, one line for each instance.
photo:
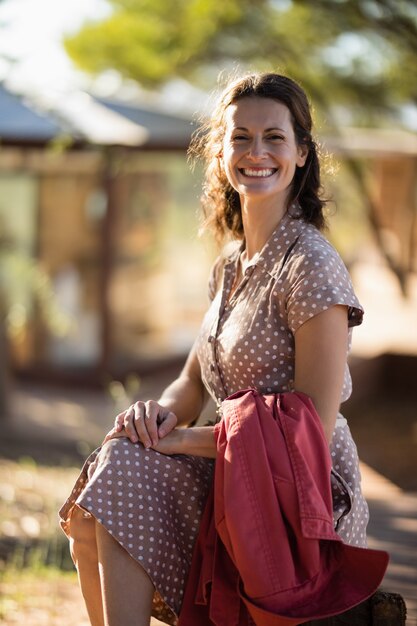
column 82, row 535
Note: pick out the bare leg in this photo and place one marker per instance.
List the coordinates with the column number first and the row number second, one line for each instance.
column 83, row 548
column 126, row 588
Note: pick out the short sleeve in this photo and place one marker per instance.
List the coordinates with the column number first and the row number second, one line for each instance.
column 318, row 280
column 215, row 277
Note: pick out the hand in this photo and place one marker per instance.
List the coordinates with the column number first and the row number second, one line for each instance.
column 147, row 422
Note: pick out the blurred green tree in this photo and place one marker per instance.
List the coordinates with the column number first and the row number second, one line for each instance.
column 25, row 291
column 362, row 52
column 356, row 58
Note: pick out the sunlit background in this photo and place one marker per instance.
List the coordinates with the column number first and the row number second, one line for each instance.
column 103, row 275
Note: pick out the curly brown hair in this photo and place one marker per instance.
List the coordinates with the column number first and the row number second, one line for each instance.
column 220, row 201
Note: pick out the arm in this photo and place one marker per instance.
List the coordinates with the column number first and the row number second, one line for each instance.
column 153, row 423
column 321, row 346
column 198, row 441
column 320, row 357
column 186, row 396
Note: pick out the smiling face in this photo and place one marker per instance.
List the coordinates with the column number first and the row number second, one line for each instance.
column 260, row 152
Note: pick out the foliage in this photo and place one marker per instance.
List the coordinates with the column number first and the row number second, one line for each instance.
column 356, row 58
column 24, row 285
column 362, row 52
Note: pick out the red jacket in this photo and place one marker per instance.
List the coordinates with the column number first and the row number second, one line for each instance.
column 267, row 549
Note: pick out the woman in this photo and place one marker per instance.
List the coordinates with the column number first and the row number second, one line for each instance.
column 282, row 306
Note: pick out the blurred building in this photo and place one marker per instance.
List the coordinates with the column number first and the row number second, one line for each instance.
column 386, row 161
column 101, row 195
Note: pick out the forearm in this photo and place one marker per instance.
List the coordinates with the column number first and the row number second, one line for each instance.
column 186, row 397
column 200, row 441
column 197, row 441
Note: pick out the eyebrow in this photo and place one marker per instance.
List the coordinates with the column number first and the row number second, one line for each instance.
column 267, row 130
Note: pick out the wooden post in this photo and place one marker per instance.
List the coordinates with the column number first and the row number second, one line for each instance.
column 111, row 157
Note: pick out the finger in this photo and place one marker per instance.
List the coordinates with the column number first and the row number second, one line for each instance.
column 168, row 424
column 153, row 410
column 109, row 435
column 118, row 420
column 140, row 424
column 129, row 423
column 113, row 434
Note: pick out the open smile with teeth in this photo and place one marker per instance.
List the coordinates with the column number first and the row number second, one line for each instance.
column 258, row 173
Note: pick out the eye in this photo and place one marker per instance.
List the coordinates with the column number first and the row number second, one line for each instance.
column 239, row 137
column 275, row 137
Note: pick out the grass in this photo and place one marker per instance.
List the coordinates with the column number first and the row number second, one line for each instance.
column 40, row 596
column 30, row 497
column 38, row 584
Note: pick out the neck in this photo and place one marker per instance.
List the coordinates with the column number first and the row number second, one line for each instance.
column 259, row 222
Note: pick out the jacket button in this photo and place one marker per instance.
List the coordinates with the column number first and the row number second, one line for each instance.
column 212, row 368
column 211, row 339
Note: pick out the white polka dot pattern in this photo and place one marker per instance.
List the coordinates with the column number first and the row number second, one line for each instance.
column 152, row 504
column 248, row 341
column 350, row 510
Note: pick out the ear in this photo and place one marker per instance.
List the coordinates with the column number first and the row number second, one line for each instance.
column 302, row 154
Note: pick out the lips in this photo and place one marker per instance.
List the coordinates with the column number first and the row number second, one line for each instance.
column 257, row 173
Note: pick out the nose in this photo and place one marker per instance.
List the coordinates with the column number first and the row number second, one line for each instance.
column 256, row 149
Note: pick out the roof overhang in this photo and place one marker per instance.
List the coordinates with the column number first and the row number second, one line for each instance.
column 384, row 142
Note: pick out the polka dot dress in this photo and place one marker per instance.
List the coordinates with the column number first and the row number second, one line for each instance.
column 247, row 339
column 152, row 503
